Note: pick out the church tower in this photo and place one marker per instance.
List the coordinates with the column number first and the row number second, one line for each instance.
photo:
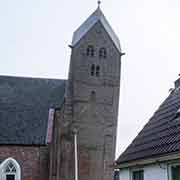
column 91, row 102
column 93, row 96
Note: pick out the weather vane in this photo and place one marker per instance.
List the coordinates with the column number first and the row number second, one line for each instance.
column 99, row 3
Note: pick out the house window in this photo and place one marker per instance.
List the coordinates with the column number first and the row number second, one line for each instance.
column 116, row 174
column 175, row 172
column 10, row 170
column 102, row 53
column 177, row 114
column 138, row 175
column 90, row 51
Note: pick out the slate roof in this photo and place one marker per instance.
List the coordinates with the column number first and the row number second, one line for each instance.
column 160, row 136
column 90, row 22
column 24, row 108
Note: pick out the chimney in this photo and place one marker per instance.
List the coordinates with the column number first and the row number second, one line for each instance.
column 177, row 82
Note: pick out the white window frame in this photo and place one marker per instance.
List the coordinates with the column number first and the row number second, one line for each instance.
column 3, row 166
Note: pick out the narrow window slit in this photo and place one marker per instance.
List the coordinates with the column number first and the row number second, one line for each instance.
column 97, row 71
column 102, row 53
column 92, row 70
column 90, row 51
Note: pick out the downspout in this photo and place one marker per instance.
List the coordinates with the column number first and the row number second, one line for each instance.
column 75, row 154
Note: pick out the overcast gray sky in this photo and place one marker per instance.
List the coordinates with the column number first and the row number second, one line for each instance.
column 34, row 38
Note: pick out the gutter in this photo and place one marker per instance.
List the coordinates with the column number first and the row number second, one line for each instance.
column 139, row 162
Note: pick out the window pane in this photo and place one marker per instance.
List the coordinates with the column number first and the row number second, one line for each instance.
column 138, row 175
column 10, row 177
column 92, row 70
column 97, row 71
column 10, row 168
column 175, row 173
column 102, row 53
column 90, row 51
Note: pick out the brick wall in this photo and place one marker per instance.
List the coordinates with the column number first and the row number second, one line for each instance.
column 32, row 160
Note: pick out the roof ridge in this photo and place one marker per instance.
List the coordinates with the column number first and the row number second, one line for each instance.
column 30, row 77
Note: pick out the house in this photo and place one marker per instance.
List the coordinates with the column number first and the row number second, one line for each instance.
column 155, row 153
column 52, row 129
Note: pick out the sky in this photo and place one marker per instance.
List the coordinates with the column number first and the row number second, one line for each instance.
column 35, row 34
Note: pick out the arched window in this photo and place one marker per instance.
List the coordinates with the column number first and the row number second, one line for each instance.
column 92, row 70
column 102, row 53
column 10, row 170
column 97, row 71
column 90, row 51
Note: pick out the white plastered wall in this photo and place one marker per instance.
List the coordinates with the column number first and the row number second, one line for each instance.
column 124, row 174
column 151, row 172
column 156, row 172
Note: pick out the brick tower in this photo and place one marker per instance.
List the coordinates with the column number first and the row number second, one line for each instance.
column 91, row 102
column 93, row 95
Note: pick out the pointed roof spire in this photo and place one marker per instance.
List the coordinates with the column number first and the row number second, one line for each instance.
column 97, row 16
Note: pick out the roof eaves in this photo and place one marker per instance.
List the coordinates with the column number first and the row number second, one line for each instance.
column 149, row 160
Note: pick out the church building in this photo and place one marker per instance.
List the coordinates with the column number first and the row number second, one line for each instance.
column 52, row 129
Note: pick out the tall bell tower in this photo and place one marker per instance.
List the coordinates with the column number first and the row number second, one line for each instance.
column 92, row 96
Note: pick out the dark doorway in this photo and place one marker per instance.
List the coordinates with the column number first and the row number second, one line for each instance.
column 10, row 177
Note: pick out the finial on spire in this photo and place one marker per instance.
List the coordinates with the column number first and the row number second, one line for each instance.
column 99, row 3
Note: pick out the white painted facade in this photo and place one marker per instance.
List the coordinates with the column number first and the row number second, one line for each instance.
column 151, row 172
column 124, row 174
